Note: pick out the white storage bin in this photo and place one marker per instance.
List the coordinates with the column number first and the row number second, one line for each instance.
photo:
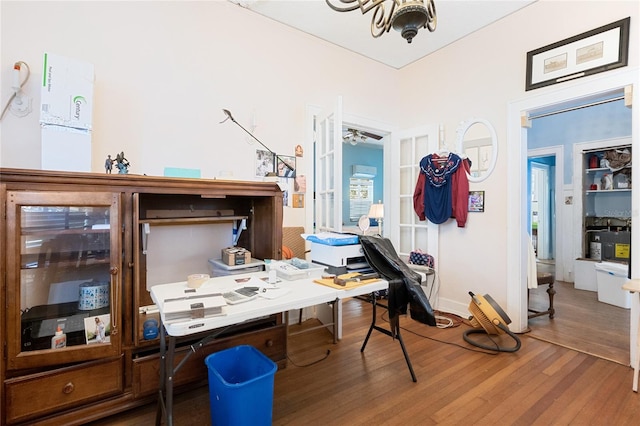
column 585, row 275
column 611, row 277
column 291, row 273
column 220, row 269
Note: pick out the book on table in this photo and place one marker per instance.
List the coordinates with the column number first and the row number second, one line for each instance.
column 193, row 306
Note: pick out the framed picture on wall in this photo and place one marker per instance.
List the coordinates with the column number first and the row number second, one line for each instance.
column 264, row 163
column 476, row 201
column 286, row 166
column 602, row 49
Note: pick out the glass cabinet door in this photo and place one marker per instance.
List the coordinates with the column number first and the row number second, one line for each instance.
column 63, row 277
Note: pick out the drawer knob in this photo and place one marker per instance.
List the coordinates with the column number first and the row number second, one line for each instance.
column 68, row 388
column 269, row 343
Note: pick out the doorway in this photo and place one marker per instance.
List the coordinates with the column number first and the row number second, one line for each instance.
column 568, row 327
column 542, row 208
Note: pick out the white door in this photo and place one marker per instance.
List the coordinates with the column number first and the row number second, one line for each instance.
column 407, row 232
column 328, row 174
column 540, row 195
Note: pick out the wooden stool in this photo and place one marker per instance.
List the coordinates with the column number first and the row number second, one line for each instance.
column 545, row 278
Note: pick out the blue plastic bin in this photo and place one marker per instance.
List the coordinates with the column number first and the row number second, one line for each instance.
column 240, row 386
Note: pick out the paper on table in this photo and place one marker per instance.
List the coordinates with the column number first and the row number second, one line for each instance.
column 272, row 292
column 265, row 290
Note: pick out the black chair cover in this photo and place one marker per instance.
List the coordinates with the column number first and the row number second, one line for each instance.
column 404, row 283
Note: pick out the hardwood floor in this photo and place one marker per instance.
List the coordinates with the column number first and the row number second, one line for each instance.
column 582, row 323
column 458, row 383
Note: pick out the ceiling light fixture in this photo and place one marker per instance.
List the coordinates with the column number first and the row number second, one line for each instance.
column 406, row 16
column 354, row 136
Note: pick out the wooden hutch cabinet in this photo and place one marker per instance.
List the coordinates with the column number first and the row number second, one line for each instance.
column 79, row 253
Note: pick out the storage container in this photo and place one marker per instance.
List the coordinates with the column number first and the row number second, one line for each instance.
column 585, row 275
column 218, row 268
column 291, row 273
column 240, row 386
column 610, row 278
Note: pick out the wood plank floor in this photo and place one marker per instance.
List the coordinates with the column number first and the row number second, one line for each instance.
column 541, row 384
column 581, row 322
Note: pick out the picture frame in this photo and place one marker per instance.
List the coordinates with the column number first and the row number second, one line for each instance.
column 97, row 329
column 288, row 170
column 264, row 163
column 602, row 49
column 476, row 201
column 298, row 201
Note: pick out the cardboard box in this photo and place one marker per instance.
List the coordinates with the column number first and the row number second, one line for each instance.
column 233, row 256
column 67, row 92
column 65, row 148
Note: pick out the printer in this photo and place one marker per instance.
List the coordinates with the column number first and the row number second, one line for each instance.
column 340, row 253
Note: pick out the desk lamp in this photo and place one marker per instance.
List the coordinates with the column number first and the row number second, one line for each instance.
column 276, row 157
column 376, row 211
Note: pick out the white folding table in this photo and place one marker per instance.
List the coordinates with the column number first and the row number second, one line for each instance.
column 301, row 293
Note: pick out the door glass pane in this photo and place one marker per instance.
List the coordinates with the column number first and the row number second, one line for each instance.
column 329, row 134
column 407, row 213
column 64, row 274
column 421, row 240
column 408, row 178
column 321, row 142
column 406, row 159
column 330, row 209
column 406, row 241
column 422, row 147
column 330, row 171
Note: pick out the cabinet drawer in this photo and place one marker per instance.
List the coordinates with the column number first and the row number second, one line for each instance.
column 38, row 394
column 146, row 370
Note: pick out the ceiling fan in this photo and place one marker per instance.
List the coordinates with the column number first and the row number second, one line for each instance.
column 353, row 136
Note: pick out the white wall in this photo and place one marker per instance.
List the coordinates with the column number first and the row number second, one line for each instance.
column 477, row 77
column 164, row 71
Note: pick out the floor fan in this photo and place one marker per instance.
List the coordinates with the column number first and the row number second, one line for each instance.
column 489, row 318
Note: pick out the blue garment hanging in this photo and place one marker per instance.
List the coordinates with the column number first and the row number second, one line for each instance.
column 437, row 186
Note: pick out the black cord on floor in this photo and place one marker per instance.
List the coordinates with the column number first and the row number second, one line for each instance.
column 385, row 315
column 311, row 363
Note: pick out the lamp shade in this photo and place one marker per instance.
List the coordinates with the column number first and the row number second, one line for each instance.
column 376, row 211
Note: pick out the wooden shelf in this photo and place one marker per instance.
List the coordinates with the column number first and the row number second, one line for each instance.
column 191, row 220
column 606, row 191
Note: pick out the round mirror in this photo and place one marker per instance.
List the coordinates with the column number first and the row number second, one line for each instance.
column 477, row 140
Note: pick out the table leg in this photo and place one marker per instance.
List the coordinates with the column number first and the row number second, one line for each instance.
column 635, row 338
column 160, row 412
column 336, row 314
column 169, row 380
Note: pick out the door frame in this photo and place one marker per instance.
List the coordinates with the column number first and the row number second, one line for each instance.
column 518, row 111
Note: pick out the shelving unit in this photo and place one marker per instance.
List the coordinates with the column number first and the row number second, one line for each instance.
column 606, row 206
column 64, row 228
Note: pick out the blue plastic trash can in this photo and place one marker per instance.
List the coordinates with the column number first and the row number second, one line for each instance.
column 240, row 386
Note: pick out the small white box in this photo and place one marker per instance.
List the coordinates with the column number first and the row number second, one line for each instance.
column 611, row 277
column 65, row 148
column 585, row 275
column 289, row 272
column 218, row 268
column 67, row 92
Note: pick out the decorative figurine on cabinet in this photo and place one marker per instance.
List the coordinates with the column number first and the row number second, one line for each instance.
column 122, row 164
column 108, row 164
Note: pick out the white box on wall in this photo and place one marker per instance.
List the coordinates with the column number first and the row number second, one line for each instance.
column 65, row 148
column 67, row 92
column 66, row 114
